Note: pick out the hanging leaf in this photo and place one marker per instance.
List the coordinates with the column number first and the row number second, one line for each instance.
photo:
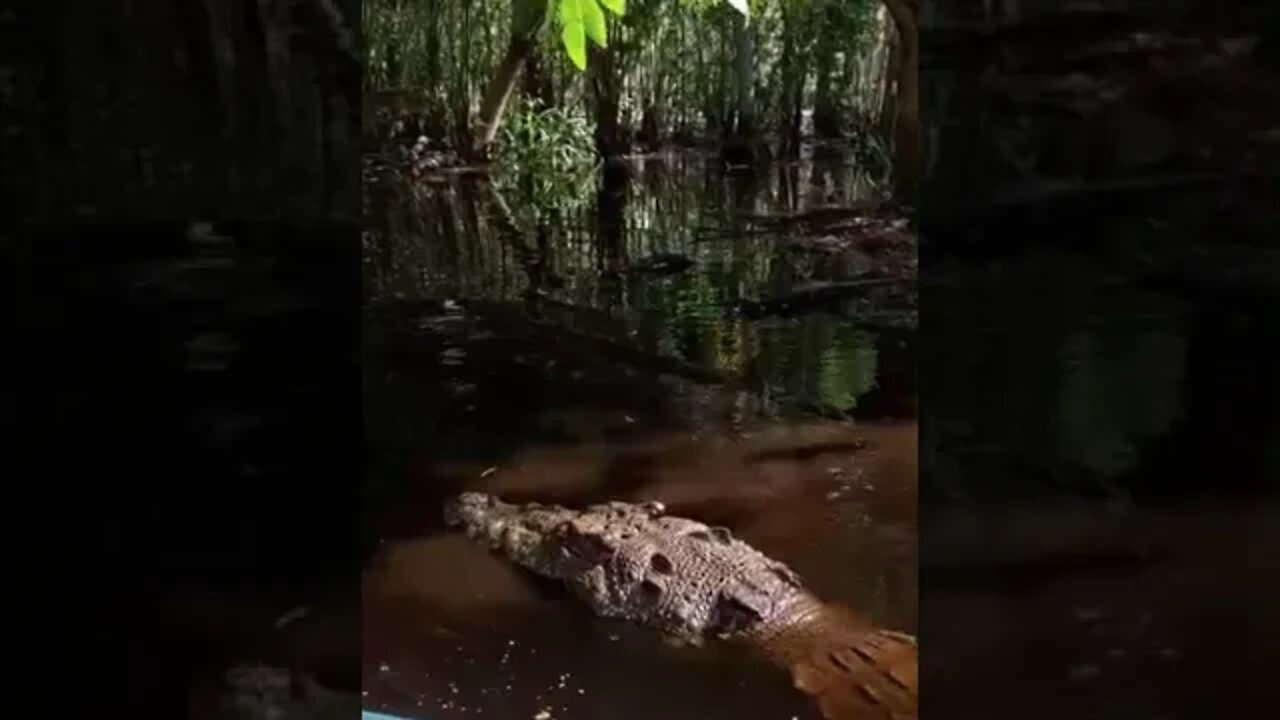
column 617, row 7
column 593, row 21
column 572, row 31
column 740, row 6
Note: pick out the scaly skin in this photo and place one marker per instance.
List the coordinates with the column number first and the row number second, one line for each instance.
column 693, row 582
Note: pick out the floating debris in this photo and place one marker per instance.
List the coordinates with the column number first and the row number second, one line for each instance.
column 1089, row 614
column 292, row 616
column 1085, row 672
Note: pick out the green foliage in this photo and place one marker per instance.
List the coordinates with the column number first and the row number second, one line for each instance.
column 671, row 74
column 593, row 22
column 428, row 58
column 581, row 20
column 547, row 158
column 393, row 34
column 698, row 6
column 874, row 157
column 854, row 20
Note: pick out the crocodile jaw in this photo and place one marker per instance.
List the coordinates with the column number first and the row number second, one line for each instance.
column 471, row 511
column 520, row 533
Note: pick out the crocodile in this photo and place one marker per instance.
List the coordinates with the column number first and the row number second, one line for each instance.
column 695, row 583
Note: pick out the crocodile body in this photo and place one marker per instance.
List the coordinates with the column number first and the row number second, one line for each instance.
column 692, row 583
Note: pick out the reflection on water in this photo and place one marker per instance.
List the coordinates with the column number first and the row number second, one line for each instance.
column 1052, row 375
column 1073, row 378
column 663, row 262
column 641, row 346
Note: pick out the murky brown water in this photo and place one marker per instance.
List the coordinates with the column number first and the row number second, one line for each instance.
column 1136, row 636
column 451, row 631
column 1094, row 448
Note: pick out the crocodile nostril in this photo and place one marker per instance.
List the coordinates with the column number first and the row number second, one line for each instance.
column 650, row 591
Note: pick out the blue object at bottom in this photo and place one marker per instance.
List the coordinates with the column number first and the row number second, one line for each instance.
column 366, row 715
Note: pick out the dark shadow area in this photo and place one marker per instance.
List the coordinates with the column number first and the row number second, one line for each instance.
column 1100, row 418
column 181, row 197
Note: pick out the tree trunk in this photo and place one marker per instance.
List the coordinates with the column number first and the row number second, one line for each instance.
column 537, row 81
column 606, row 86
column 906, row 130
column 744, row 66
column 793, row 78
column 611, row 217
column 888, row 108
column 528, row 18
column 245, row 115
column 827, row 115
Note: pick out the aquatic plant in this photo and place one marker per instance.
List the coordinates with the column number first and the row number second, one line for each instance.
column 546, row 159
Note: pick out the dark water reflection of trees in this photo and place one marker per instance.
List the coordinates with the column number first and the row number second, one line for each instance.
column 580, row 265
column 1047, row 375
column 1072, row 379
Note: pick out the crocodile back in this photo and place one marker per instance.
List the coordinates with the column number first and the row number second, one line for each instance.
column 682, row 577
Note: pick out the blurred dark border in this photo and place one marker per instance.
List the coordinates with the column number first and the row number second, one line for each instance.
column 182, row 202
column 1099, row 391
column 186, row 294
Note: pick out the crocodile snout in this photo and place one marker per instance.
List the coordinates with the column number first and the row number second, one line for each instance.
column 467, row 509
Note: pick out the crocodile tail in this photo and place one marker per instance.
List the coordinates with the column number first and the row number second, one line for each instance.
column 858, row 673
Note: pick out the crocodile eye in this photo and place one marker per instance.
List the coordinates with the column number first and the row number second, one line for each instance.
column 661, row 564
column 653, row 507
column 722, row 534
column 786, row 575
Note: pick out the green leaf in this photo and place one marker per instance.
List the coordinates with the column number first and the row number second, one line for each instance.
column 572, row 31
column 593, row 20
column 617, row 7
column 740, row 6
